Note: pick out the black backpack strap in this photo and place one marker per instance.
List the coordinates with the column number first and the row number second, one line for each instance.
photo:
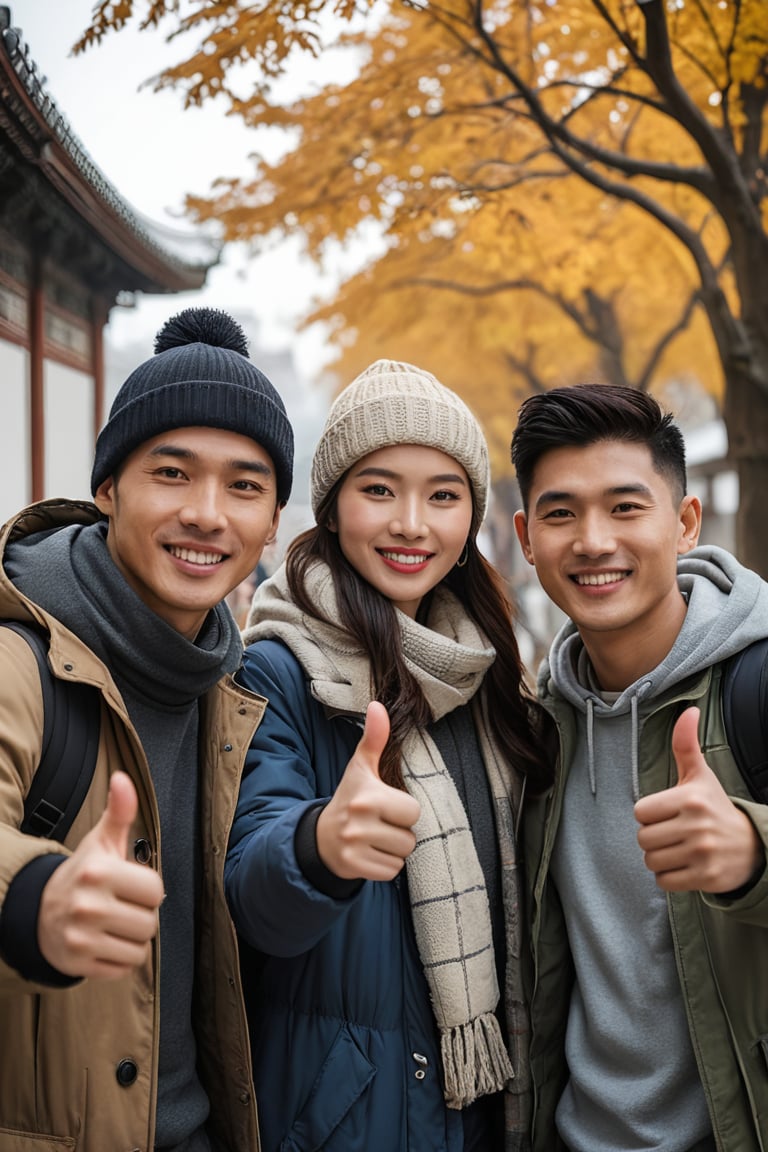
column 71, row 724
column 745, row 713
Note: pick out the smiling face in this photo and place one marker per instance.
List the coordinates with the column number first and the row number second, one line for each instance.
column 403, row 515
column 604, row 530
column 189, row 515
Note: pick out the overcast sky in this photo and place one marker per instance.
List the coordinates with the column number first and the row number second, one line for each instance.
column 154, row 152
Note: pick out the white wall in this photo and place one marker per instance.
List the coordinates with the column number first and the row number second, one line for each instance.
column 68, row 431
column 14, row 429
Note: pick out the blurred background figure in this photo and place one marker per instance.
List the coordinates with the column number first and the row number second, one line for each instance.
column 239, row 599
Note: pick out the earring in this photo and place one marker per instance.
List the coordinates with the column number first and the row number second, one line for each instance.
column 464, row 557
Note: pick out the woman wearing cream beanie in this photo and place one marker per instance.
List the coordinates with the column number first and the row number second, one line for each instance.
column 376, row 875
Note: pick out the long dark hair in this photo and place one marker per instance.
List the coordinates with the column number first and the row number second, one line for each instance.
column 515, row 717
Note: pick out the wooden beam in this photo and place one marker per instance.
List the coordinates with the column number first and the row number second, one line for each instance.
column 99, row 317
column 37, row 382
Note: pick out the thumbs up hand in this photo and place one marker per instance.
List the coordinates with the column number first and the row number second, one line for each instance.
column 98, row 911
column 693, row 838
column 365, row 831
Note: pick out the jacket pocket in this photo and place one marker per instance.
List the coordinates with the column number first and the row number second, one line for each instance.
column 13, row 1141
column 344, row 1076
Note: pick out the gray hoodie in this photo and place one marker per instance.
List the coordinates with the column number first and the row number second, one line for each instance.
column 633, row 1077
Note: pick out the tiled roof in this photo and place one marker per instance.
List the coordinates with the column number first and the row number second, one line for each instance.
column 31, row 118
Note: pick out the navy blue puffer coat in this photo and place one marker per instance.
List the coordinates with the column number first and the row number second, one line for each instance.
column 344, row 1042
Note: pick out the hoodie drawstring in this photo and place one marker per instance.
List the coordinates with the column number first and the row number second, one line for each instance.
column 635, row 749
column 591, row 745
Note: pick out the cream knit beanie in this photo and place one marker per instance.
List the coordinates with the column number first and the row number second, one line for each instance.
column 395, row 403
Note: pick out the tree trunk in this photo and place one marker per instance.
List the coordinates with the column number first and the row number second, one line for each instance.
column 746, row 421
column 751, row 518
column 506, row 553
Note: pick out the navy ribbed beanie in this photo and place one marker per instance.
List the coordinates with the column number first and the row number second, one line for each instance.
column 200, row 375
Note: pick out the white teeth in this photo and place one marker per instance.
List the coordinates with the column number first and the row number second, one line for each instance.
column 193, row 557
column 402, row 558
column 601, row 578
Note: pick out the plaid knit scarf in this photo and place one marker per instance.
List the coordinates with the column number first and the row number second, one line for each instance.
column 449, row 658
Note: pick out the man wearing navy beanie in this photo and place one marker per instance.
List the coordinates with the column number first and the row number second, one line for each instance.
column 121, row 1012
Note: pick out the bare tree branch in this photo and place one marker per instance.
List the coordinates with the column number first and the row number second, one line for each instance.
column 658, row 65
column 646, row 375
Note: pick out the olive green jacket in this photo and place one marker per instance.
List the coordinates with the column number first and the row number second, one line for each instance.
column 60, row 1049
column 721, row 945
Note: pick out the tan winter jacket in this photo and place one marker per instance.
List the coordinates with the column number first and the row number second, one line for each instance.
column 63, row 1052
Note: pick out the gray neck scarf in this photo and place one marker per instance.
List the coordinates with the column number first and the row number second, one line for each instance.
column 71, row 574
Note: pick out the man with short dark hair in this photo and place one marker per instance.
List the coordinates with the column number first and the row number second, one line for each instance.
column 646, row 861
column 121, row 1016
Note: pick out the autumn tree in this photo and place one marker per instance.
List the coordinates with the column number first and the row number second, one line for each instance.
column 562, row 189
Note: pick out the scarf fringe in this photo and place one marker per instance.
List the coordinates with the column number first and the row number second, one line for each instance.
column 475, row 1060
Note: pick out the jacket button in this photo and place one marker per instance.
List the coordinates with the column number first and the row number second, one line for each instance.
column 142, row 850
column 126, row 1073
column 423, row 1063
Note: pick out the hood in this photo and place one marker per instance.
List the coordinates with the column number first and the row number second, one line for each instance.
column 45, row 516
column 727, row 610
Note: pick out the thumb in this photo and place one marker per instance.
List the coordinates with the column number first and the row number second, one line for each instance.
column 374, row 738
column 685, row 747
column 118, row 816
